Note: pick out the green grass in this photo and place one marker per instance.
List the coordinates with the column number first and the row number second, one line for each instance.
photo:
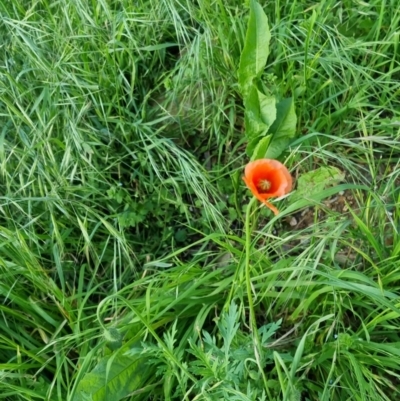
column 123, row 251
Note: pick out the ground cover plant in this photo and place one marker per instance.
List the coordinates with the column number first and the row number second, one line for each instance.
column 134, row 262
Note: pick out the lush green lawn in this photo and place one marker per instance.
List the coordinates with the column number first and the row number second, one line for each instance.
column 126, row 270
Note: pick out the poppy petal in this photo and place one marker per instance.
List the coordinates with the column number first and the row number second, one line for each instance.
column 267, row 178
column 271, row 207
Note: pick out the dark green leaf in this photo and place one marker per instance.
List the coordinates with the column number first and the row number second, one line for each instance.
column 181, row 235
column 283, row 128
column 260, row 113
column 261, row 148
column 256, row 47
column 251, row 146
column 277, row 147
column 254, row 124
column 285, row 122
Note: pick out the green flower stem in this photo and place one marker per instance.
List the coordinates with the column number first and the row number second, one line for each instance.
column 253, row 323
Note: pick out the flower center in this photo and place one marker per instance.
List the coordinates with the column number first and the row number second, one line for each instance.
column 264, row 185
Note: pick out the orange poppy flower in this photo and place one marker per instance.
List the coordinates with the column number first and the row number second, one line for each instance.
column 267, row 178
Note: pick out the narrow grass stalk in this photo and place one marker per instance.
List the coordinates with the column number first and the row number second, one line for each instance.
column 253, row 323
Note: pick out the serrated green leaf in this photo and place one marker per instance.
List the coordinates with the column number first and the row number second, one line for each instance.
column 228, row 326
column 316, row 181
column 268, row 330
column 261, row 148
column 256, row 48
column 113, row 378
column 285, row 122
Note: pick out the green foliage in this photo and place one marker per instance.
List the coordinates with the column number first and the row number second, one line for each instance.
column 256, row 48
column 261, row 148
column 264, row 117
column 283, row 128
column 114, row 377
column 221, row 364
column 124, row 268
column 315, row 181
